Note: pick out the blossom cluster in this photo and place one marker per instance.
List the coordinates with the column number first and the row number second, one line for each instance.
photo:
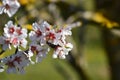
column 38, row 41
column 44, row 35
column 41, row 39
column 16, row 62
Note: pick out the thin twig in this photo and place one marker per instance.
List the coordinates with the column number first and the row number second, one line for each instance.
column 2, row 52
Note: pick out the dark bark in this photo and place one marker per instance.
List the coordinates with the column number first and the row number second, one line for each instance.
column 111, row 9
column 112, row 46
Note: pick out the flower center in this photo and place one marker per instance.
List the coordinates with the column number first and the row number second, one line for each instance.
column 38, row 32
column 7, row 41
column 10, row 64
column 59, row 31
column 48, row 29
column 7, row 6
column 19, row 31
column 11, row 30
column 15, row 41
column 18, row 59
column 50, row 36
column 33, row 48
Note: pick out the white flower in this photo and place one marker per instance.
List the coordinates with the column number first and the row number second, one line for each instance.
column 52, row 37
column 17, row 62
column 62, row 51
column 9, row 29
column 21, row 61
column 5, row 42
column 35, row 38
column 59, row 52
column 21, row 32
column 14, row 35
column 10, row 7
column 42, row 51
column 23, row 43
column 42, row 28
column 33, row 48
column 63, row 32
column 39, row 32
column 46, row 26
column 9, row 62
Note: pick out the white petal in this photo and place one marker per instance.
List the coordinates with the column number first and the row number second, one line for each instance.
column 6, row 46
column 69, row 45
column 30, row 53
column 1, row 68
column 35, row 26
column 24, row 43
column 11, row 70
column 32, row 36
column 38, row 59
column 55, row 55
column 2, row 9
column 62, row 56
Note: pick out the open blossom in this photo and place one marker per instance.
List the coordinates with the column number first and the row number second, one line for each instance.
column 39, row 32
column 40, row 51
column 5, row 42
column 13, row 35
column 62, row 51
column 10, row 7
column 9, row 29
column 16, row 62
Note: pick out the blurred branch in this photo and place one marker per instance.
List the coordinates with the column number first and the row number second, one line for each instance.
column 112, row 46
column 76, row 65
column 62, row 71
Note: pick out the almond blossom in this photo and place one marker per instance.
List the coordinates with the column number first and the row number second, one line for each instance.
column 16, row 62
column 13, row 35
column 10, row 7
column 42, row 38
column 62, row 51
column 39, row 32
column 39, row 51
column 53, row 37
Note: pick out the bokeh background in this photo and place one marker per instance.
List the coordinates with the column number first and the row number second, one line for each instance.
column 96, row 52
